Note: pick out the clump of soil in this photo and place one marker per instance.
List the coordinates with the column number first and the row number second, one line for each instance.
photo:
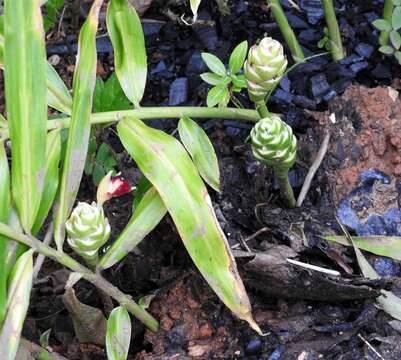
column 366, row 134
column 189, row 324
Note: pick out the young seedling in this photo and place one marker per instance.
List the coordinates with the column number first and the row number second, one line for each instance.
column 274, row 144
column 389, row 27
column 335, row 44
column 225, row 81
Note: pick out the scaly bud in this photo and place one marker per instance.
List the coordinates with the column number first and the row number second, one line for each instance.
column 88, row 229
column 263, row 69
column 274, row 143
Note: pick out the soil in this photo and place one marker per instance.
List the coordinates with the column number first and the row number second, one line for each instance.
column 305, row 314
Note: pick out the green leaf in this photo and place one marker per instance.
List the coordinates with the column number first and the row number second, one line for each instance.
column 58, row 96
column 238, row 57
column 78, row 135
column 25, row 85
column 382, row 25
column 164, row 161
column 396, row 18
column 53, row 150
column 214, row 64
column 194, row 7
column 5, row 201
column 380, row 245
column 395, row 38
column 201, row 150
column 385, row 49
column 216, row 95
column 125, row 30
column 52, row 7
column 397, row 55
column 17, row 305
column 239, row 81
column 118, row 336
column 147, row 215
column 212, row 78
column 396, row 2
column 109, row 96
column 143, row 186
column 388, row 301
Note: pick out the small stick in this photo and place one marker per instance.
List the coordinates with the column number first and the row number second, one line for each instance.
column 313, row 267
column 249, row 238
column 313, row 169
column 370, row 346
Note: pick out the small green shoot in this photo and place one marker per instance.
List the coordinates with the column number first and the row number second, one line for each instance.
column 52, row 10
column 225, row 81
column 392, row 27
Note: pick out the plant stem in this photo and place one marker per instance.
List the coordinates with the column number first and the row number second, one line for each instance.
column 263, row 111
column 147, row 113
column 387, row 15
column 286, row 30
column 285, row 187
column 336, row 45
column 94, row 278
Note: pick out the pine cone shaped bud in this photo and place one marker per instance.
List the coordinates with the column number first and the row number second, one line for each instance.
column 88, row 229
column 264, row 67
column 274, row 143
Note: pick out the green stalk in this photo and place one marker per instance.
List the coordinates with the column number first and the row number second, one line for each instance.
column 147, row 113
column 336, row 45
column 387, row 15
column 263, row 111
column 94, row 278
column 285, row 188
column 286, row 30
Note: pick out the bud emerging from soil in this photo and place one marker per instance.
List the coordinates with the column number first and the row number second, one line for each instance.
column 264, row 68
column 88, row 229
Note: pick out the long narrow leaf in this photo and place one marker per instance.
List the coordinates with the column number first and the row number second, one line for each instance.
column 53, row 150
column 4, row 215
column 388, row 301
column 164, row 161
column 147, row 215
column 78, row 137
column 380, row 245
column 118, row 336
column 25, row 85
column 128, row 40
column 17, row 305
column 201, row 150
column 58, row 96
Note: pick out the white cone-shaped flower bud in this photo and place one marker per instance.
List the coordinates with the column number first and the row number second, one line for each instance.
column 274, row 143
column 264, row 67
column 88, row 229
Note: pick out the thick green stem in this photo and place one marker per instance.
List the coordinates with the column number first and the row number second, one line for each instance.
column 286, row 30
column 94, row 278
column 336, row 45
column 147, row 113
column 263, row 111
column 387, row 15
column 285, row 187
